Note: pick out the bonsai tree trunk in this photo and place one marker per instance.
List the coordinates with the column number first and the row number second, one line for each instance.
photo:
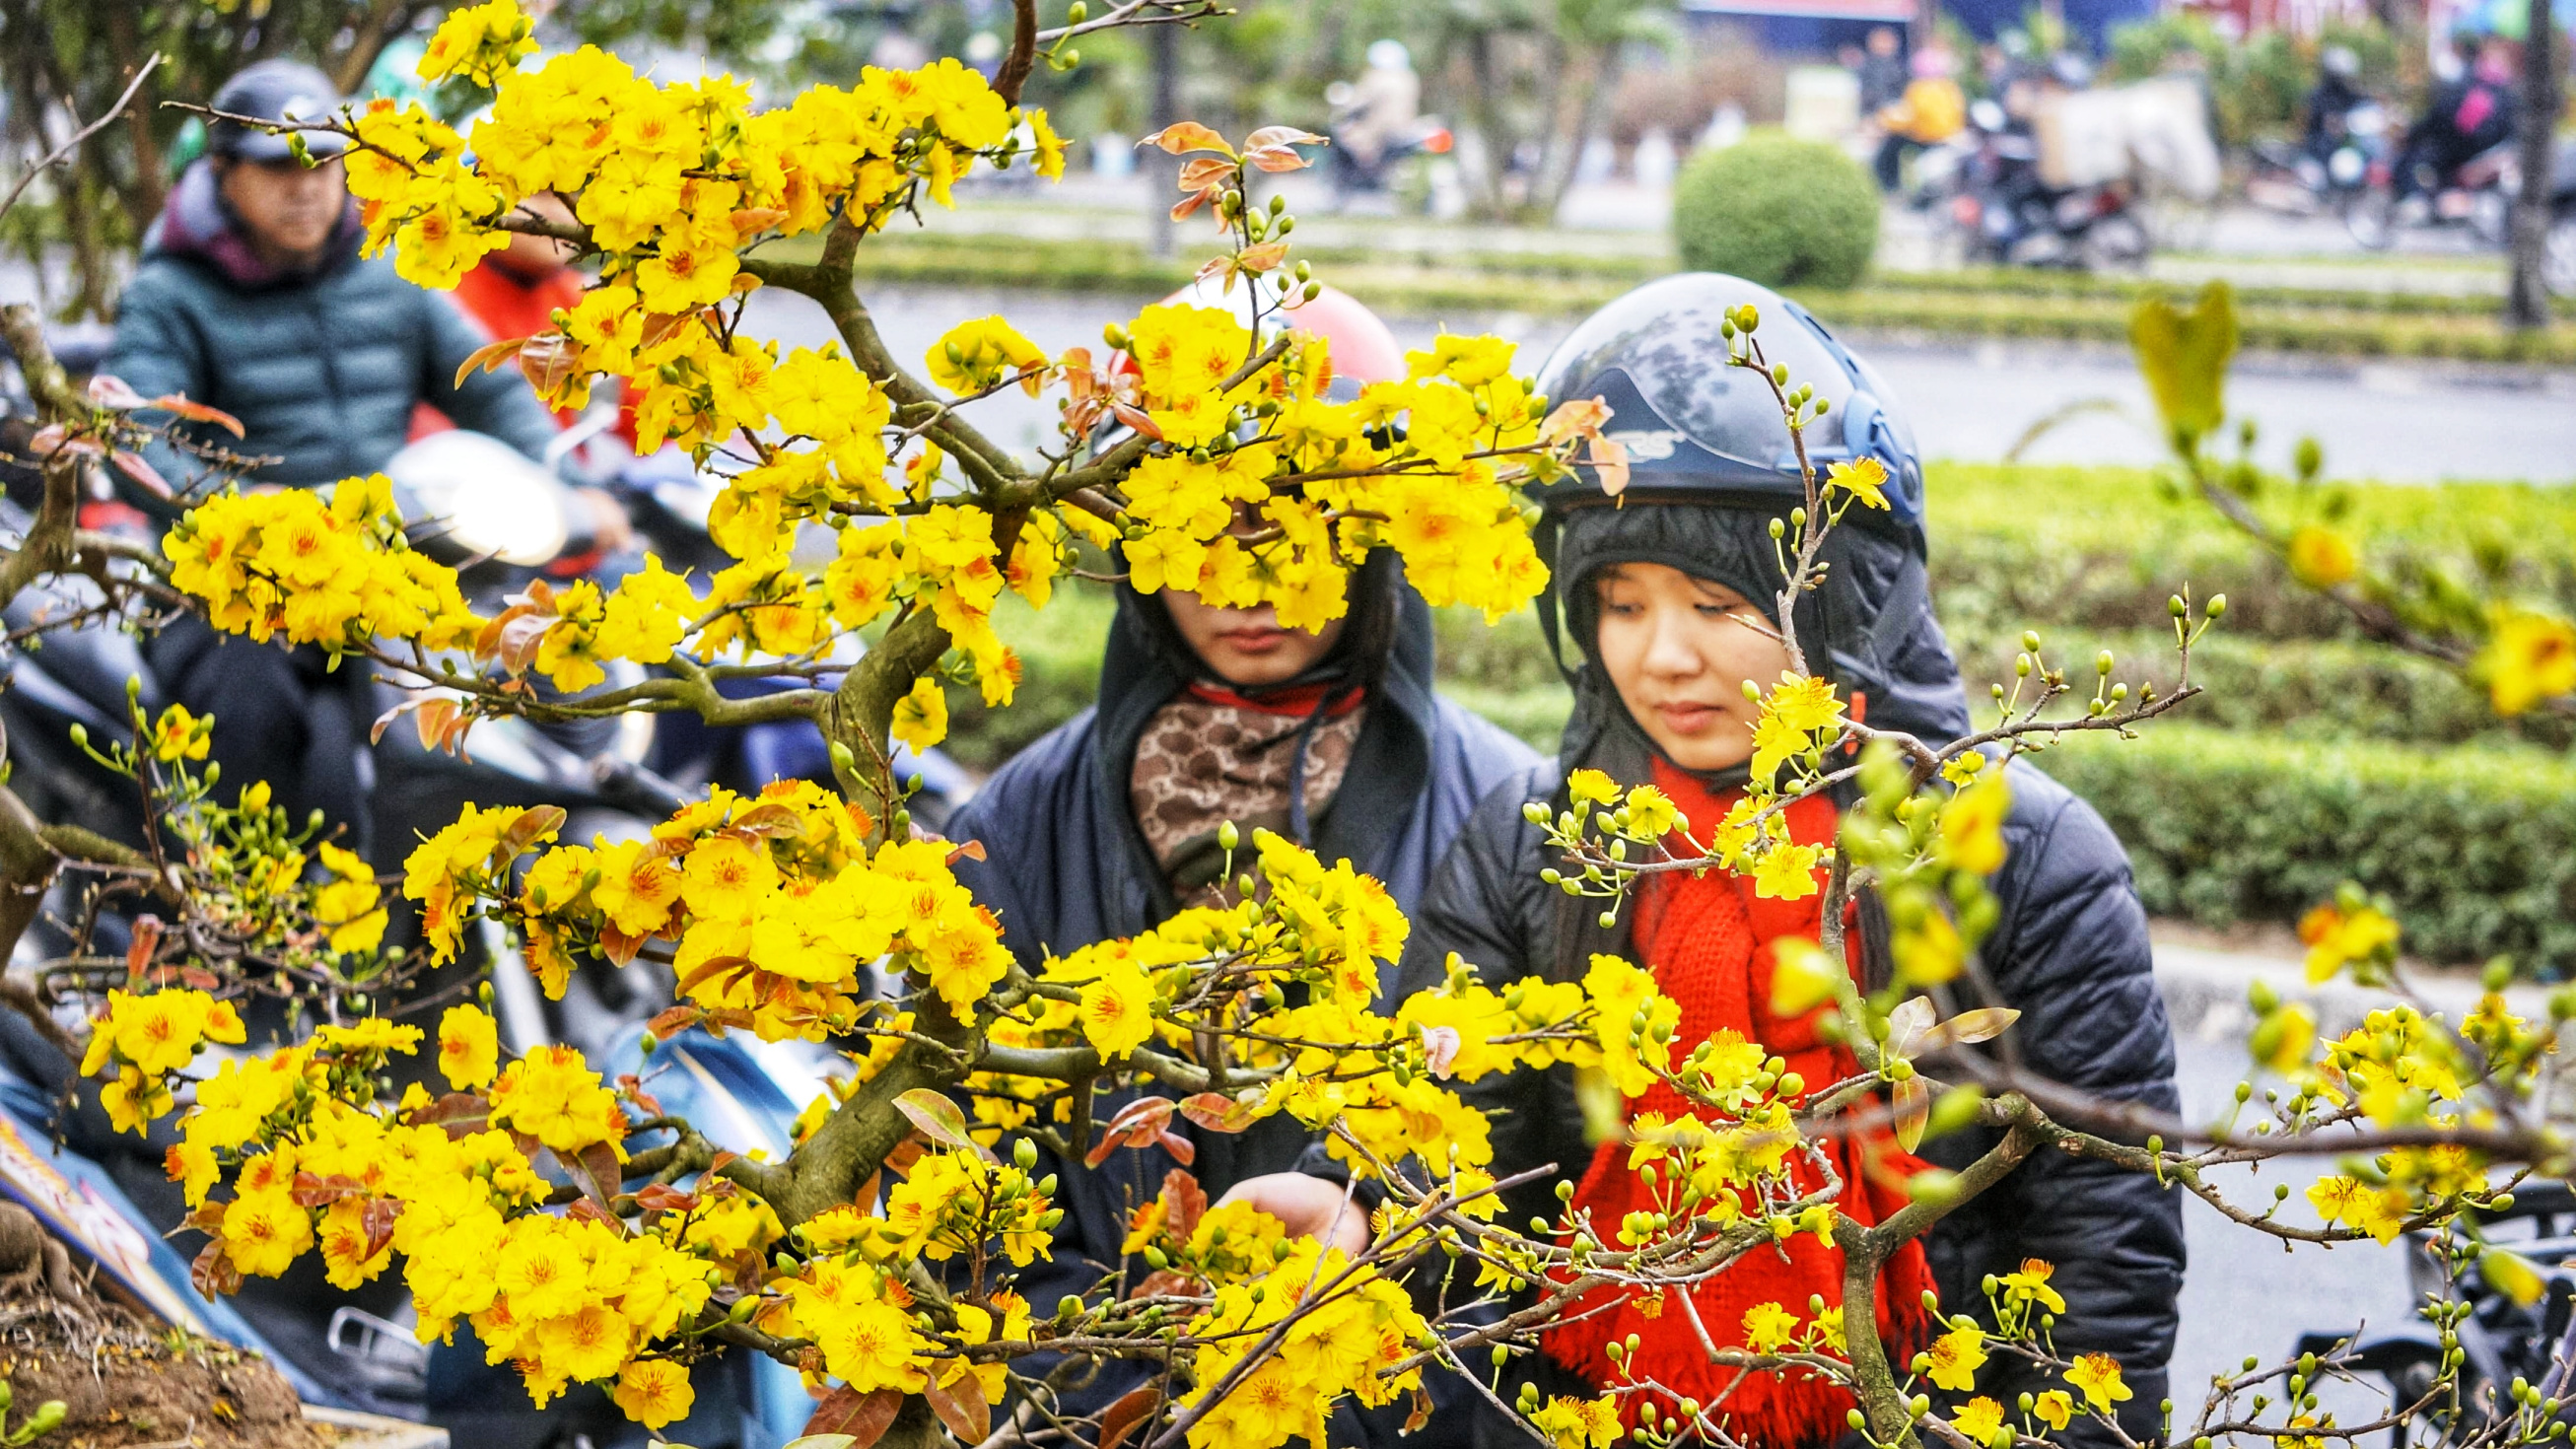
column 2527, row 304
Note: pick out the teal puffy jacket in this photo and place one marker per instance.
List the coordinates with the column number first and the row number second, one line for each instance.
column 323, row 368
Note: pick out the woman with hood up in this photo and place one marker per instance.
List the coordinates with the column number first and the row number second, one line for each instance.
column 1208, row 716
column 1667, row 594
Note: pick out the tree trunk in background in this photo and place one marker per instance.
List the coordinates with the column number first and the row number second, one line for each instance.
column 1600, row 85
column 2527, row 305
column 1161, row 171
column 1492, row 130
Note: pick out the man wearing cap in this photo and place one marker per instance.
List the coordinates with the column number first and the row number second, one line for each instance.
column 251, row 297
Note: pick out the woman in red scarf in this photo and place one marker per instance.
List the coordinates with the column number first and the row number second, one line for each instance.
column 1667, row 596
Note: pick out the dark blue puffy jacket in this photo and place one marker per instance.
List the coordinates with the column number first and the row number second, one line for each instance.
column 1065, row 866
column 2070, row 951
column 322, row 368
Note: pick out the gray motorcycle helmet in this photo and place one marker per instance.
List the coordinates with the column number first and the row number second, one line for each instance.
column 274, row 90
column 1694, row 425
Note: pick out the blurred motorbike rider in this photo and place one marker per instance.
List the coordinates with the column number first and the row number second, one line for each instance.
column 252, row 297
column 1208, row 715
column 2468, row 115
column 1668, row 594
column 1373, row 110
column 2337, row 91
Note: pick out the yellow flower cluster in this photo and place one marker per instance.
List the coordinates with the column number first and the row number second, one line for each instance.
column 1361, row 1325
column 670, row 179
column 1408, row 464
column 774, row 903
column 479, row 43
column 316, row 1164
column 1330, row 933
column 146, row 1037
column 332, row 573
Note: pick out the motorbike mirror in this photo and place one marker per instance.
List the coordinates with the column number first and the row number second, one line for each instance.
column 471, row 495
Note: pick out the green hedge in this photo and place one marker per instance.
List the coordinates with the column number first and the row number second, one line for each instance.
column 1776, row 210
column 2476, row 846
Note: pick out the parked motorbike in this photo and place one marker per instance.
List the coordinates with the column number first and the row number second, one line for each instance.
column 2477, row 197
column 2295, row 180
column 2005, row 215
column 2502, row 1340
column 1350, row 176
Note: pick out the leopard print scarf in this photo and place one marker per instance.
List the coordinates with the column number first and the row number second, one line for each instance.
column 1210, row 757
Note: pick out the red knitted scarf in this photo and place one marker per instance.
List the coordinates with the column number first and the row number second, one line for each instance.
column 1709, row 943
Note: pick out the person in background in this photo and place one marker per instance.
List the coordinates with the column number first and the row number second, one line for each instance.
column 251, row 297
column 1208, row 715
column 515, row 292
column 1386, row 99
column 1931, row 111
column 2322, row 116
column 2469, row 114
column 1882, row 71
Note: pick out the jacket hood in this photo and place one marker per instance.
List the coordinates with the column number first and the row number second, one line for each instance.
column 1870, row 627
column 1386, row 648
column 196, row 223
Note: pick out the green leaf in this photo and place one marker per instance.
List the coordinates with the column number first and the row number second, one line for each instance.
column 2184, row 356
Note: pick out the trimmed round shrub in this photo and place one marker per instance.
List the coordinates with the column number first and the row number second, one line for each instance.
column 1777, row 210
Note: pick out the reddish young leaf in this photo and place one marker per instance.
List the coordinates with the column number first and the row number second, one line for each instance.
column 1184, row 1203
column 661, row 1197
column 1263, row 258
column 632, row 1087
column 583, row 1210
column 673, row 1021
column 1136, row 418
column 1282, row 136
column 960, row 1406
column 1180, row 1147
column 213, row 1274
column 1206, row 173
column 619, row 947
column 971, row 850
column 1160, row 1283
column 145, row 943
column 311, row 1191
column 717, row 1163
column 533, row 824
column 462, row 1113
column 864, row 1417
column 110, row 391
column 1186, row 137
column 378, row 1217
column 548, row 361
column 1218, row 1112
column 1137, row 1124
column 938, row 1119
column 1134, row 1407
column 145, row 476
column 1440, row 1049
column 376, row 731
column 197, row 412
column 488, row 357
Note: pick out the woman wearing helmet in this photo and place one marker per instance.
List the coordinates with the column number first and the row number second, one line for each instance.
column 1655, row 595
column 1205, row 716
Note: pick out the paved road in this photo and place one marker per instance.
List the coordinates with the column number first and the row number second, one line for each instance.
column 1969, row 401
column 2242, row 1294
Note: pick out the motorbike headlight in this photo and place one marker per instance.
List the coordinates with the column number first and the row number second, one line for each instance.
column 2347, row 166
column 488, row 515
column 471, row 496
